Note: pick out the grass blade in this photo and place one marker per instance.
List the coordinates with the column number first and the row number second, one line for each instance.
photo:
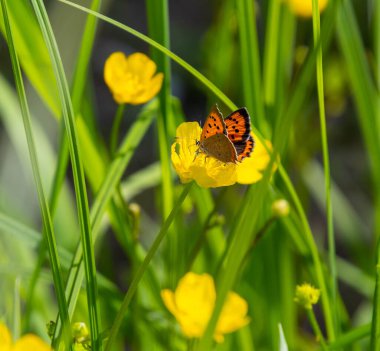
column 331, row 329
column 250, row 61
column 32, row 52
column 79, row 181
column 158, row 29
column 364, row 92
column 45, row 212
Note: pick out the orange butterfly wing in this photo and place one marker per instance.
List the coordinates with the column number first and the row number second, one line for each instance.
column 244, row 148
column 238, row 125
column 214, row 124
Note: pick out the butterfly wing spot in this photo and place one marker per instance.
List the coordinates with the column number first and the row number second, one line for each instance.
column 238, row 125
column 214, row 124
column 245, row 149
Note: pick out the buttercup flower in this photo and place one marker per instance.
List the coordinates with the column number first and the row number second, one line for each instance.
column 209, row 172
column 131, row 78
column 307, row 295
column 304, row 8
column 192, row 304
column 28, row 342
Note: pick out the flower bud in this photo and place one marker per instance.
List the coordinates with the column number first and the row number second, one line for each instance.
column 280, row 208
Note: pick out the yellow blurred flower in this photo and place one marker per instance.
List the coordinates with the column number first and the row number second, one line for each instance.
column 131, row 78
column 307, row 295
column 209, row 172
column 28, row 342
column 192, row 304
column 304, row 8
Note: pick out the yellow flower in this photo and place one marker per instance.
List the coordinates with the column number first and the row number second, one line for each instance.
column 307, row 295
column 131, row 79
column 304, row 8
column 209, row 172
column 192, row 304
column 28, row 342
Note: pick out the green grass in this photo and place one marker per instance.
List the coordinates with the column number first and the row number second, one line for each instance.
column 115, row 226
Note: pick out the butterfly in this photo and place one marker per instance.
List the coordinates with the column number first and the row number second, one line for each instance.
column 227, row 140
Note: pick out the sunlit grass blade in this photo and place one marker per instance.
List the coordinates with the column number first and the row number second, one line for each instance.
column 45, row 212
column 79, row 181
column 143, row 267
column 326, row 164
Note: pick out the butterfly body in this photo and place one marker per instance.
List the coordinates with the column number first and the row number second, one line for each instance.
column 227, row 140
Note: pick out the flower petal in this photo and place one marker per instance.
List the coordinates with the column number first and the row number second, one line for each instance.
column 5, row 338
column 192, row 303
column 251, row 168
column 304, row 8
column 150, row 90
column 168, row 298
column 233, row 315
column 115, row 70
column 195, row 295
column 141, row 65
column 31, row 342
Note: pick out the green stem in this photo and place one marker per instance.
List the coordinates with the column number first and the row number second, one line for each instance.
column 143, row 267
column 316, row 328
column 271, row 52
column 326, row 163
column 115, row 129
